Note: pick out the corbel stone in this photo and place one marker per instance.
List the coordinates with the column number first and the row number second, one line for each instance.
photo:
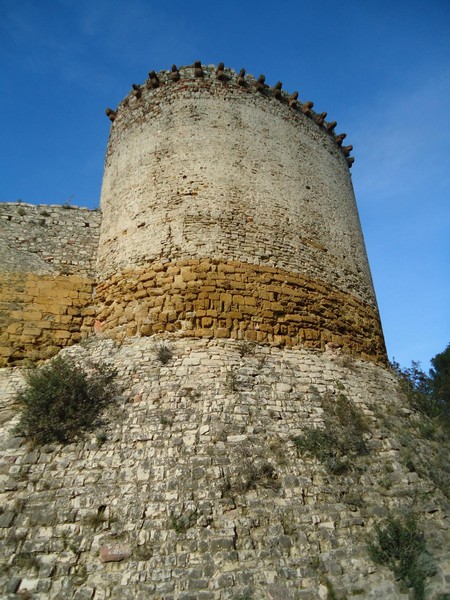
column 277, row 90
column 260, row 83
column 241, row 77
column 198, row 71
column 346, row 150
column 153, row 80
column 293, row 100
column 175, row 73
column 219, row 72
column 320, row 119
column 111, row 114
column 307, row 106
column 137, row 90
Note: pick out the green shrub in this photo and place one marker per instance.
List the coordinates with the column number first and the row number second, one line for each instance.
column 428, row 393
column 61, row 401
column 341, row 438
column 401, row 547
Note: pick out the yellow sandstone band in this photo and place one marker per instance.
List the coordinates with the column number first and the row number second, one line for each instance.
column 230, row 299
column 40, row 314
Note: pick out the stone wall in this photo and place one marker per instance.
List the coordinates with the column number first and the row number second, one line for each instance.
column 48, row 257
column 230, row 291
column 48, row 238
column 205, row 168
column 222, row 299
column 228, row 211
column 194, row 488
column 40, row 314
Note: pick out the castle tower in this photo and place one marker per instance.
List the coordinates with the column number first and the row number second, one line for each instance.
column 228, row 212
column 222, row 469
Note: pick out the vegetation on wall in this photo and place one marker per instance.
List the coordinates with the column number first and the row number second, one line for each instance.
column 341, row 439
column 429, row 396
column 401, row 547
column 61, row 401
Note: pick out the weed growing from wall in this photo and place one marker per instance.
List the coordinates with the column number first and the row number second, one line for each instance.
column 61, row 401
column 250, row 476
column 231, row 381
column 184, row 522
column 342, row 437
column 245, row 348
column 401, row 547
column 163, row 353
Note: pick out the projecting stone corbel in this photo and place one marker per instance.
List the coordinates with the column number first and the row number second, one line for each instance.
column 293, row 100
column 306, row 108
column 198, row 71
column 137, row 90
column 241, row 77
column 346, row 150
column 320, row 119
column 111, row 114
column 153, row 81
column 260, row 83
column 220, row 72
column 277, row 90
column 175, row 73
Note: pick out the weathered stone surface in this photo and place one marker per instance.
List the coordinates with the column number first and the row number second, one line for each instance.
column 112, row 553
column 233, row 297
column 305, row 312
column 201, row 480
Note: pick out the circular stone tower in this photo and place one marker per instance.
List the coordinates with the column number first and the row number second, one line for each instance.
column 226, row 469
column 228, row 212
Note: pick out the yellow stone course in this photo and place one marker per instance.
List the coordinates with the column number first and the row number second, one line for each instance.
column 272, row 306
column 45, row 313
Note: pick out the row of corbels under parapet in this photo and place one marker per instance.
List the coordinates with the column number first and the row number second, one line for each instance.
column 155, row 80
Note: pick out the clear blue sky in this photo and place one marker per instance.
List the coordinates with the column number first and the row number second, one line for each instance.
column 380, row 68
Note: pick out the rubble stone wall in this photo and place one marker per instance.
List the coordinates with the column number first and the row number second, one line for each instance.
column 48, row 256
column 48, row 238
column 193, row 488
column 231, row 294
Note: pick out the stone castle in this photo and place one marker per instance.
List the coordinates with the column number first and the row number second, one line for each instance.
column 229, row 236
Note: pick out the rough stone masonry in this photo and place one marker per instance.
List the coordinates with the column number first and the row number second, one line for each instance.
column 229, row 239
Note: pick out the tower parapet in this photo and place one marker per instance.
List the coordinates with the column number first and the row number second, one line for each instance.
column 228, row 211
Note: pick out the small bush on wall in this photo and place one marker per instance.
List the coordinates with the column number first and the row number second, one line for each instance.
column 61, row 401
column 342, row 438
column 401, row 547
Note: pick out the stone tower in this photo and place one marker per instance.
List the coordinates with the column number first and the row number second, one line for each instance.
column 234, row 200
column 257, row 440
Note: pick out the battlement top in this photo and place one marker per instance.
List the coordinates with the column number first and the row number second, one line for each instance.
column 229, row 77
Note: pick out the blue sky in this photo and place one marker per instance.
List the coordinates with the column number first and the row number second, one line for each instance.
column 380, row 68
